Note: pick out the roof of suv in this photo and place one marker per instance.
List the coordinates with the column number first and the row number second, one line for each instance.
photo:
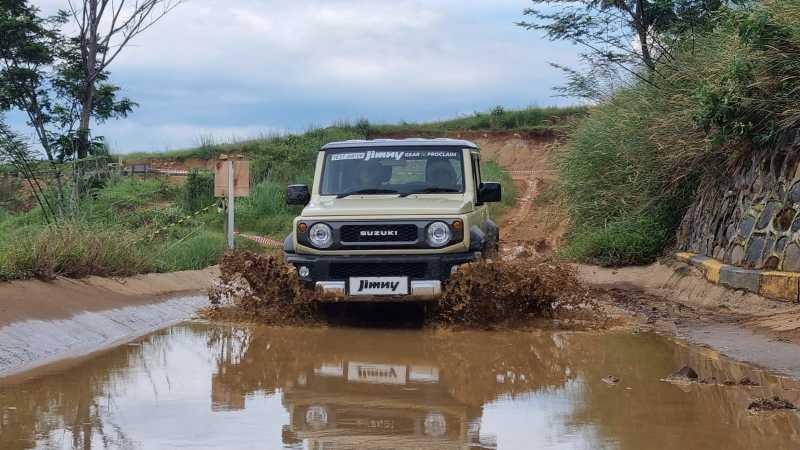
column 411, row 142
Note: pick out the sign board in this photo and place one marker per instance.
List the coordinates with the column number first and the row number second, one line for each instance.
column 241, row 178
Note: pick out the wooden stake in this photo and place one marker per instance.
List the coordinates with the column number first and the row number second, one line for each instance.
column 231, row 202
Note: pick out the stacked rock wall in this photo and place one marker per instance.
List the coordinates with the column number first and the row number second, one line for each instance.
column 750, row 217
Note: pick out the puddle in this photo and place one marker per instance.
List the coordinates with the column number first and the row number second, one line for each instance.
column 198, row 385
column 745, row 345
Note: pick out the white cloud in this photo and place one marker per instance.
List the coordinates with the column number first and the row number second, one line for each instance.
column 284, row 64
column 174, row 135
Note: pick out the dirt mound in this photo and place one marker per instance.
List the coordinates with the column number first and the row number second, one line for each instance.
column 261, row 288
column 489, row 293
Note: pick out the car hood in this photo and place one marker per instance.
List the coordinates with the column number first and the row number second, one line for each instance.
column 389, row 205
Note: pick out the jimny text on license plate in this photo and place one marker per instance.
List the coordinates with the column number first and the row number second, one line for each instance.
column 378, row 285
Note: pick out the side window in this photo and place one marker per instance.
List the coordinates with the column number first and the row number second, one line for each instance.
column 476, row 171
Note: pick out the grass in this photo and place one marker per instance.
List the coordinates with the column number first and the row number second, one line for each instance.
column 284, row 150
column 532, row 119
column 72, row 250
column 631, row 167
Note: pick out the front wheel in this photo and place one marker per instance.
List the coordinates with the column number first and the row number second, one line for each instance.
column 491, row 249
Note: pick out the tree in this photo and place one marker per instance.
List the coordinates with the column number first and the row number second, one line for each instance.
column 619, row 37
column 29, row 46
column 61, row 82
column 14, row 151
column 105, row 28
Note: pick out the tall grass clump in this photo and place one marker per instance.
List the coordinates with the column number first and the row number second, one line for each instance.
column 265, row 211
column 631, row 167
column 197, row 250
column 73, row 250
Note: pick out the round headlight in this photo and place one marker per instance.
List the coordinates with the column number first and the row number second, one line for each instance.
column 316, row 416
column 435, row 424
column 320, row 235
column 438, row 234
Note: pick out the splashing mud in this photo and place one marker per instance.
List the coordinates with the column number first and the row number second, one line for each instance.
column 263, row 288
column 514, row 292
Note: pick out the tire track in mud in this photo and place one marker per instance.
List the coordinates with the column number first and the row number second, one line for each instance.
column 527, row 230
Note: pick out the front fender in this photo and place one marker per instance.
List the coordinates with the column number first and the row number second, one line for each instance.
column 477, row 239
column 288, row 243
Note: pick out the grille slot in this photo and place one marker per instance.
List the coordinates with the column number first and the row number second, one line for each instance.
column 414, row 270
column 382, row 233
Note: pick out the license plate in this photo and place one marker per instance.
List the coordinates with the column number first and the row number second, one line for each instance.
column 378, row 285
column 358, row 372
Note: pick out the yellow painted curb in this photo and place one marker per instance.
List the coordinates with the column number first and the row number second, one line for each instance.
column 685, row 256
column 711, row 267
column 781, row 285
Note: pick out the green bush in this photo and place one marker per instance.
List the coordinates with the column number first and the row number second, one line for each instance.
column 197, row 191
column 631, row 167
column 265, row 211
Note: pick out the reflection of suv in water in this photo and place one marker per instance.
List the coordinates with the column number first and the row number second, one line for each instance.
column 349, row 404
column 391, row 219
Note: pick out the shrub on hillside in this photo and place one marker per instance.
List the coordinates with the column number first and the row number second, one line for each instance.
column 631, row 167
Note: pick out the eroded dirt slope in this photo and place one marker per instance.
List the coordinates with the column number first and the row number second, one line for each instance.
column 537, row 223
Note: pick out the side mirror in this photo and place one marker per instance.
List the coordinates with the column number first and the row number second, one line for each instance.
column 489, row 193
column 297, row 194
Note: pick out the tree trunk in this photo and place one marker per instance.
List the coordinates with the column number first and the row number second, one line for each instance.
column 86, row 114
column 90, row 59
column 641, row 29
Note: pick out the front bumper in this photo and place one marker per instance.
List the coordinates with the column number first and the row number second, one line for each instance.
column 426, row 273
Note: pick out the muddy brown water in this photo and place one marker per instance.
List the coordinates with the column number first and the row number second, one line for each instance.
column 198, row 385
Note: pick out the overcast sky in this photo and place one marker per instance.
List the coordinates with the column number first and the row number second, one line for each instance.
column 241, row 68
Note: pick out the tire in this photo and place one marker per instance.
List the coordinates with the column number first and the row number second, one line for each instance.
column 492, row 248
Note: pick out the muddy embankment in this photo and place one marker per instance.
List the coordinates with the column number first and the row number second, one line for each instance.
column 44, row 322
column 668, row 296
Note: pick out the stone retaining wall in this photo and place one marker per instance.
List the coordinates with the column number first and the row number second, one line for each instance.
column 749, row 217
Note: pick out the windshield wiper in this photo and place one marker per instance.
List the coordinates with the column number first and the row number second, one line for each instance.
column 367, row 191
column 431, row 190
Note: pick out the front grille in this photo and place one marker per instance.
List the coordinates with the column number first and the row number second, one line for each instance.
column 378, row 233
column 341, row 271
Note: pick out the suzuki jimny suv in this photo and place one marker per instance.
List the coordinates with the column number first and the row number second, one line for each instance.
column 391, row 219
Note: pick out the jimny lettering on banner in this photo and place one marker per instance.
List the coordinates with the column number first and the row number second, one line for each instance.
column 390, row 155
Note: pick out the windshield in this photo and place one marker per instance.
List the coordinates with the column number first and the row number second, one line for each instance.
column 404, row 172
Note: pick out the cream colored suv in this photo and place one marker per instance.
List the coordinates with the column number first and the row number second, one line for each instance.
column 391, row 219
